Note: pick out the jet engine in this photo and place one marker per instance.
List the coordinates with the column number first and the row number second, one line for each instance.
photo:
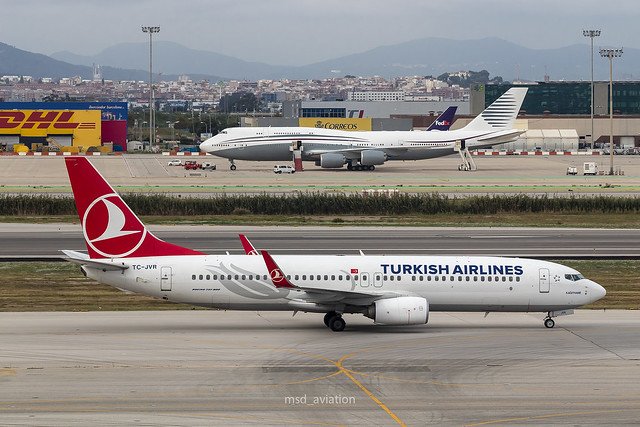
column 332, row 160
column 399, row 311
column 372, row 157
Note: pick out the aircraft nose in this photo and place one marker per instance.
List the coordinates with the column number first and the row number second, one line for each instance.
column 596, row 291
column 205, row 145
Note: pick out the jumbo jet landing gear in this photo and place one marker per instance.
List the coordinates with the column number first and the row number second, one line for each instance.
column 233, row 165
column 334, row 321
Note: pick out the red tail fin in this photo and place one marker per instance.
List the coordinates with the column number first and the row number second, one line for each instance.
column 110, row 228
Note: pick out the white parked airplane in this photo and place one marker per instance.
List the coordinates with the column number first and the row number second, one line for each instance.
column 364, row 150
column 392, row 290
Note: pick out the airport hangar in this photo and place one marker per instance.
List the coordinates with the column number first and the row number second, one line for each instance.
column 69, row 125
column 556, row 115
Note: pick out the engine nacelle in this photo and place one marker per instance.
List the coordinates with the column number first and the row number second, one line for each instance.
column 400, row 311
column 332, row 160
column 372, row 157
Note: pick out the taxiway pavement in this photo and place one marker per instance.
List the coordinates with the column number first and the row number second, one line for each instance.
column 248, row 368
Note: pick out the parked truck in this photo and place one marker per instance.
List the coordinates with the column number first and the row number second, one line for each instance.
column 590, row 168
column 192, row 165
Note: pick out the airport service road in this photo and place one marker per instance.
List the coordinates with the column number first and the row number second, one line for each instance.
column 46, row 240
column 496, row 174
column 235, row 368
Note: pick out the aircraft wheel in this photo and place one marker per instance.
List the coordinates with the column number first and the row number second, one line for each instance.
column 372, row 168
column 337, row 323
column 549, row 323
column 328, row 316
column 232, row 167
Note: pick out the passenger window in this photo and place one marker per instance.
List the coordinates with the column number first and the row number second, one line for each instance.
column 333, row 277
column 489, row 279
column 200, row 277
column 193, row 277
column 244, row 277
column 340, row 277
column 296, row 276
column 326, row 277
column 460, row 278
column 208, row 277
column 436, row 278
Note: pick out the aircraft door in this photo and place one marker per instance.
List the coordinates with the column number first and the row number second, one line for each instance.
column 544, row 280
column 377, row 280
column 165, row 278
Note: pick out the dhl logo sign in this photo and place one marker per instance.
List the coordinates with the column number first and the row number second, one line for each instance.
column 58, row 120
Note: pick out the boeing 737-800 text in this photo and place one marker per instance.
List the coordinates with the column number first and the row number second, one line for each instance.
column 392, row 290
column 363, row 150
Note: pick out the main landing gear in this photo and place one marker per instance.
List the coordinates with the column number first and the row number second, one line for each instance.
column 233, row 165
column 359, row 167
column 334, row 321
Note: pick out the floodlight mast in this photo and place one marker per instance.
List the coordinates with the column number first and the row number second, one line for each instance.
column 591, row 34
column 152, row 120
column 611, row 53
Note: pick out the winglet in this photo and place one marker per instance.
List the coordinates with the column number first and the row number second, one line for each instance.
column 249, row 249
column 277, row 276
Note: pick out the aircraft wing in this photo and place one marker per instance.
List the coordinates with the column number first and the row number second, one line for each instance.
column 313, row 295
column 102, row 264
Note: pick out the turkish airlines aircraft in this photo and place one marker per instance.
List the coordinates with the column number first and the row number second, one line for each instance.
column 364, row 150
column 392, row 290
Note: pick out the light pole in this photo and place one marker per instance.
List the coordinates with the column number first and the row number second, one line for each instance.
column 591, row 34
column 611, row 53
column 151, row 30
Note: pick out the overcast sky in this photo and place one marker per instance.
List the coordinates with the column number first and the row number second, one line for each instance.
column 300, row 32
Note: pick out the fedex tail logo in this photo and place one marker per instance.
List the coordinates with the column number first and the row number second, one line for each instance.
column 443, row 123
column 108, row 231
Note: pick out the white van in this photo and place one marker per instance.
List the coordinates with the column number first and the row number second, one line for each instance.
column 283, row 169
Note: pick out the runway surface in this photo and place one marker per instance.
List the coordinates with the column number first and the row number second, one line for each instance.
column 46, row 240
column 236, row 368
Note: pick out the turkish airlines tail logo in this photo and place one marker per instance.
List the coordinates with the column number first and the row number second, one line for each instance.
column 277, row 276
column 107, row 230
column 110, row 228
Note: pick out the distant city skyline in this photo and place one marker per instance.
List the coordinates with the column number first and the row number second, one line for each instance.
column 295, row 32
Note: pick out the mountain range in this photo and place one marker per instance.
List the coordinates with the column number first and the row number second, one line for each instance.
column 430, row 56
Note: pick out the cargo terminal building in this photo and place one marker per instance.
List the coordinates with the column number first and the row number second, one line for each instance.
column 76, row 125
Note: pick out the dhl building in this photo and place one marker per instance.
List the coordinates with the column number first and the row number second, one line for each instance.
column 63, row 124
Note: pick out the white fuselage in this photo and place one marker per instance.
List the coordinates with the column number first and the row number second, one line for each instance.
column 242, row 282
column 274, row 144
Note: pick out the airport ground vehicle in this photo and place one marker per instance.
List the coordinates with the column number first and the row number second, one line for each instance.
column 192, row 165
column 283, row 169
column 208, row 166
column 572, row 170
column 175, row 162
column 590, row 168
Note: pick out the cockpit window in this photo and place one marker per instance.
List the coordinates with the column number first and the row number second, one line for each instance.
column 574, row 277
